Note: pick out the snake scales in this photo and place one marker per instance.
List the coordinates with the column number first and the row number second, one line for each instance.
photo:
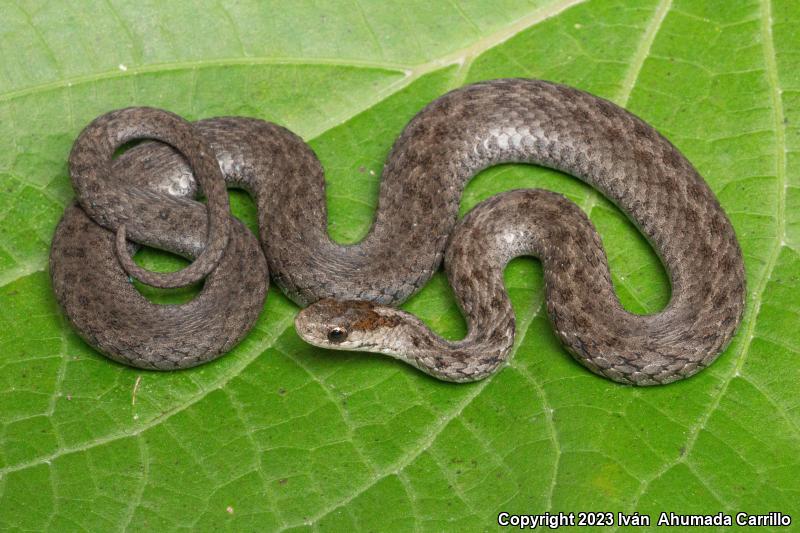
column 147, row 195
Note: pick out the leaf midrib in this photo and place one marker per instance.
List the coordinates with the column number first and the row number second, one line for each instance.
column 410, row 73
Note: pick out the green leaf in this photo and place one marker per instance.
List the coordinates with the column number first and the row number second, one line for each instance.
column 280, row 435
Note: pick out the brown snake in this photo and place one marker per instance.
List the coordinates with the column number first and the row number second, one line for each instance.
column 145, row 194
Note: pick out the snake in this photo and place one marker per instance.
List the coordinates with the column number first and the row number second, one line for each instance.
column 148, row 195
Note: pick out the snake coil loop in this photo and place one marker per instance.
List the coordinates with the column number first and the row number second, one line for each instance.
column 90, row 163
column 91, row 258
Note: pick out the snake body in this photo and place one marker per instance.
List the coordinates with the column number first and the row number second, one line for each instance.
column 352, row 288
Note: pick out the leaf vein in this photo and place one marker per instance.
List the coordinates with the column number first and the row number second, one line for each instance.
column 748, row 331
column 246, row 360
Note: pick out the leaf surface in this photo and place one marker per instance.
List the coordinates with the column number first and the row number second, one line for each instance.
column 280, row 435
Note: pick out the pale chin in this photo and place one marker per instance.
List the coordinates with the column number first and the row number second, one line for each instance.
column 320, row 343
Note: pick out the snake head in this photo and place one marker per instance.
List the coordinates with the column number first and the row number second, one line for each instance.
column 349, row 325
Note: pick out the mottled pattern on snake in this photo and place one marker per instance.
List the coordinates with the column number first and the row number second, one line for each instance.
column 446, row 144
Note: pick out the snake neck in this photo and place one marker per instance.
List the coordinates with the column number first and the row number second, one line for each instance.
column 472, row 358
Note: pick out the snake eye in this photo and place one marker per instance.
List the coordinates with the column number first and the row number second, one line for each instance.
column 337, row 335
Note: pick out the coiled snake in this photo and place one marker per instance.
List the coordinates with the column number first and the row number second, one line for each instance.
column 146, row 194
